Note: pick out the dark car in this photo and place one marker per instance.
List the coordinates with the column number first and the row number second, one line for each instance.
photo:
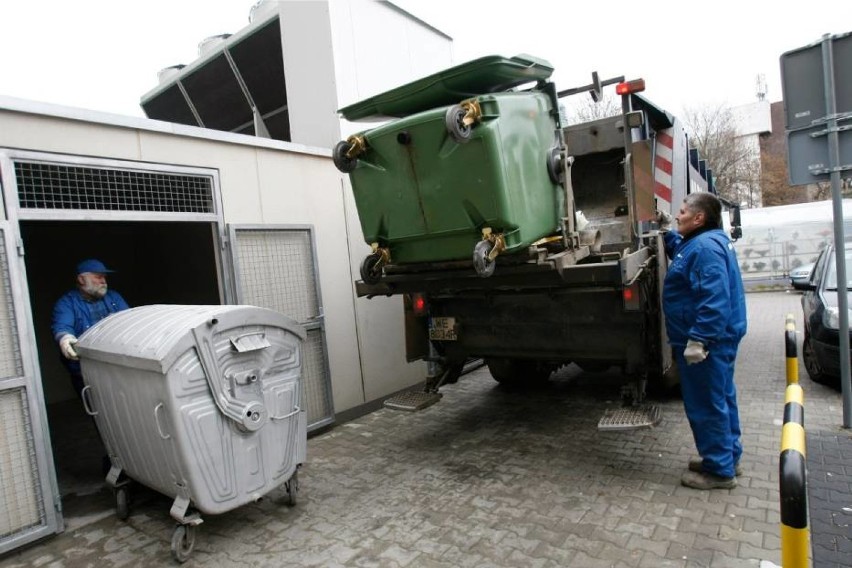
column 821, row 352
column 800, row 276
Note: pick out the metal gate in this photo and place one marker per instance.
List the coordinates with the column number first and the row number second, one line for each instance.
column 276, row 268
column 28, row 491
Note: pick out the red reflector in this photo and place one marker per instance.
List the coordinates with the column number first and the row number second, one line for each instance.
column 627, row 87
column 628, row 294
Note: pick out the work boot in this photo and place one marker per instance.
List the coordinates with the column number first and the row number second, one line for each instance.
column 704, row 480
column 697, row 464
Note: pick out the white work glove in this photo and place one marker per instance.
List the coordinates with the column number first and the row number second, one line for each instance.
column 664, row 220
column 694, row 352
column 66, row 345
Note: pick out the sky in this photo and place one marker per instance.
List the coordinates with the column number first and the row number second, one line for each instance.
column 104, row 55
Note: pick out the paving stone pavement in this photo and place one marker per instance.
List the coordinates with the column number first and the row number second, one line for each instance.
column 491, row 477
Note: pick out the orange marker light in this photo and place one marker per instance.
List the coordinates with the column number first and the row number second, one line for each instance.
column 627, row 87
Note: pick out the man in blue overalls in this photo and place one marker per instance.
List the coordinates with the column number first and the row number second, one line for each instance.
column 704, row 304
column 80, row 309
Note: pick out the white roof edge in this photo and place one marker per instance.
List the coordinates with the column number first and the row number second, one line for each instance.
column 27, row 106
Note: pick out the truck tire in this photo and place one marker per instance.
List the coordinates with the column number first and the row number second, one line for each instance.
column 519, row 372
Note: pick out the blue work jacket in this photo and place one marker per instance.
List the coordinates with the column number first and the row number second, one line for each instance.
column 703, row 296
column 74, row 314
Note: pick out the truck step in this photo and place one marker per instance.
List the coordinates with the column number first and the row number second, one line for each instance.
column 412, row 401
column 630, row 418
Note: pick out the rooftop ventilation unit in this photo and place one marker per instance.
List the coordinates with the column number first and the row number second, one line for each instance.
column 261, row 10
column 209, row 44
column 166, row 74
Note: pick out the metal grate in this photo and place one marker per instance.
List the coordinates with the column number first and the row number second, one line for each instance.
column 10, row 347
column 315, row 378
column 61, row 186
column 277, row 271
column 20, row 495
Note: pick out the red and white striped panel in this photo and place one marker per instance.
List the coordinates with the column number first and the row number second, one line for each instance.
column 663, row 166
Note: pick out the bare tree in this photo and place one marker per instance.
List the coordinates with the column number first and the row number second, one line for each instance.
column 585, row 108
column 775, row 188
column 734, row 161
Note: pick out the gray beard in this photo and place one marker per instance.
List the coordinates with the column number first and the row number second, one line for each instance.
column 96, row 292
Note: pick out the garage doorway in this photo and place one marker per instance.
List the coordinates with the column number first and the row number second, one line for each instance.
column 155, row 263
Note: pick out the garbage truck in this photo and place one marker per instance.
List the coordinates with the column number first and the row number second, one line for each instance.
column 515, row 237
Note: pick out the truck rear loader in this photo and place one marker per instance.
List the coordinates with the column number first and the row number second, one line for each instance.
column 515, row 237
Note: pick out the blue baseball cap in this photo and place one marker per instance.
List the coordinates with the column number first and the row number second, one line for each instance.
column 92, row 265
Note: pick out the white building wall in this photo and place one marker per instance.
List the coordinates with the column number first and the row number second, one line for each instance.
column 262, row 182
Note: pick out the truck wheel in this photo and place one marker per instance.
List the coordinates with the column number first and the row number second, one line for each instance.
column 483, row 265
column 519, row 372
column 454, row 121
column 371, row 268
column 341, row 161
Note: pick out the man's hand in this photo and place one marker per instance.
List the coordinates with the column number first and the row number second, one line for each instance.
column 664, row 220
column 694, row 352
column 66, row 345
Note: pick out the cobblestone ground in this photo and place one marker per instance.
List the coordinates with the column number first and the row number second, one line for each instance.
column 490, row 477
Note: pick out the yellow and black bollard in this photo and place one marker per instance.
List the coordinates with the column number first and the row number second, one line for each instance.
column 790, row 349
column 793, row 468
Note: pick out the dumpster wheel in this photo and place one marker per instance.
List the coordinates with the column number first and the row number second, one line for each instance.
column 341, row 159
column 183, row 541
column 122, row 503
column 454, row 121
column 482, row 262
column 371, row 268
column 292, row 487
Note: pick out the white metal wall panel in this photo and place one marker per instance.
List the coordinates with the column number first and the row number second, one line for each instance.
column 275, row 268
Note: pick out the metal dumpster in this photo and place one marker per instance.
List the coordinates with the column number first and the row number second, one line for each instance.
column 476, row 166
column 201, row 403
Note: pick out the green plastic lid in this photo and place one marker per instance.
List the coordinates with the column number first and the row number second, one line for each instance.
column 488, row 74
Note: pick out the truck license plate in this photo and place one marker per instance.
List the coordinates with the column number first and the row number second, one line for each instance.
column 442, row 329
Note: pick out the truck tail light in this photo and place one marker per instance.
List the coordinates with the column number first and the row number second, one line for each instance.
column 631, row 299
column 628, row 87
column 418, row 304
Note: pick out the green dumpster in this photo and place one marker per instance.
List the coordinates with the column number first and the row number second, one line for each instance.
column 470, row 173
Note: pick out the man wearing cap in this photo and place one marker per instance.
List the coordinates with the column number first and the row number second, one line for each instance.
column 80, row 309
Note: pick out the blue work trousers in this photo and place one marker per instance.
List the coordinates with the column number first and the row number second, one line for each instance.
column 710, row 401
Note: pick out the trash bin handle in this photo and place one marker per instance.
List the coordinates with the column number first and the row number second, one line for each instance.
column 83, row 395
column 157, row 420
column 295, row 412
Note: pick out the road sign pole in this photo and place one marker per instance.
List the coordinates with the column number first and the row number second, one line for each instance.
column 839, row 238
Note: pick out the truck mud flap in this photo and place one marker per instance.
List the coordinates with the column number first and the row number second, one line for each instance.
column 630, row 418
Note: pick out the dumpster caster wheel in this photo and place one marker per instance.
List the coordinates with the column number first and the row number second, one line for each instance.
column 341, row 161
column 292, row 487
column 371, row 268
column 483, row 265
column 183, row 541
column 454, row 121
column 554, row 166
column 122, row 503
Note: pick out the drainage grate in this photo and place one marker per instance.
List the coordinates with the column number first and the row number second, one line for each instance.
column 61, row 186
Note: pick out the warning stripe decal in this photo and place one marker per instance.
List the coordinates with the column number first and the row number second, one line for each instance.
column 663, row 166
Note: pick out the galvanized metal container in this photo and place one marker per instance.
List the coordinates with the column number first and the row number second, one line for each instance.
column 201, row 403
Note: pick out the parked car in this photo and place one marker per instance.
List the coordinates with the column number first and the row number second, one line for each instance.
column 799, row 276
column 820, row 352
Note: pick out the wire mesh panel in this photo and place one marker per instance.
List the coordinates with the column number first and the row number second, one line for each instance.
column 20, row 495
column 68, row 186
column 10, row 346
column 276, row 269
